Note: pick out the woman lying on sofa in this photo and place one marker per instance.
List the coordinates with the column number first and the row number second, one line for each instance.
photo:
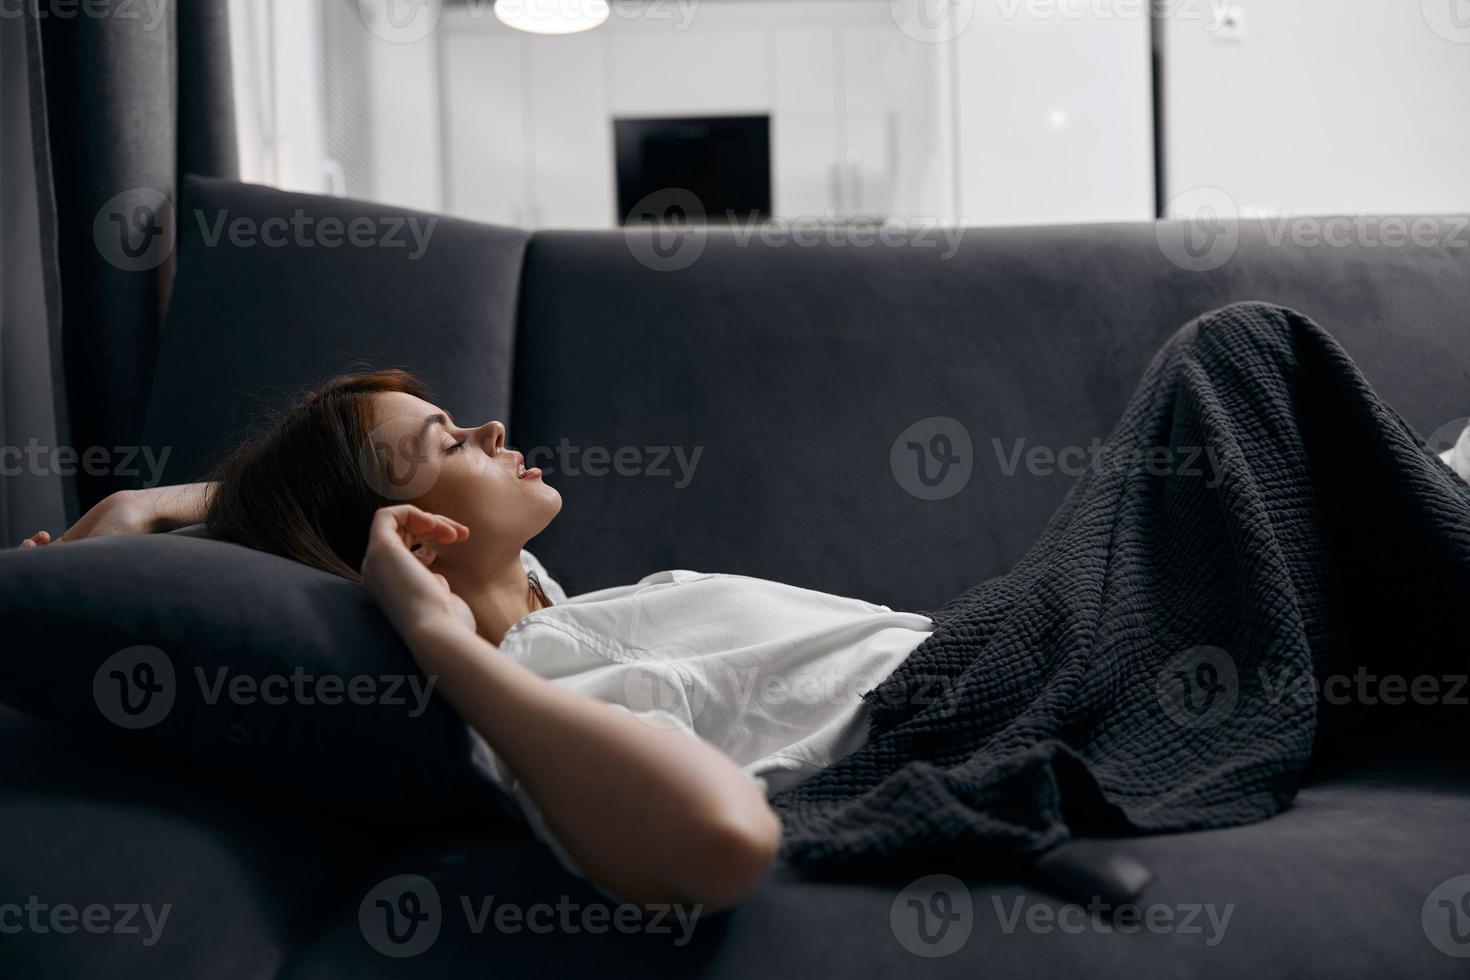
column 565, row 693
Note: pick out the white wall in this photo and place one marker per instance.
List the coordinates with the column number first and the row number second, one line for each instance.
column 1055, row 114
column 1322, row 107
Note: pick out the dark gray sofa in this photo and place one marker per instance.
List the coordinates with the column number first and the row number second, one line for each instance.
column 792, row 370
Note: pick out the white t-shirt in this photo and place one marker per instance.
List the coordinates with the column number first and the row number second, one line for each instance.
column 1457, row 457
column 770, row 674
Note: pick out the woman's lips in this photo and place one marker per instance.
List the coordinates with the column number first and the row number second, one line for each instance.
column 523, row 473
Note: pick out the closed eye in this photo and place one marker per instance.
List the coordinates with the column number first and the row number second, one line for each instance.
column 457, row 446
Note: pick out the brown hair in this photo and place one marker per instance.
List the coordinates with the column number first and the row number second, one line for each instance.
column 298, row 488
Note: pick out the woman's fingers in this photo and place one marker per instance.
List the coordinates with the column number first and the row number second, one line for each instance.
column 439, row 528
column 37, row 539
column 408, row 522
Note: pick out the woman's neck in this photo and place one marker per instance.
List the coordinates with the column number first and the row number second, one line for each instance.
column 498, row 595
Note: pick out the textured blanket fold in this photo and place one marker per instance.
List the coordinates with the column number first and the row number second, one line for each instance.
column 1260, row 527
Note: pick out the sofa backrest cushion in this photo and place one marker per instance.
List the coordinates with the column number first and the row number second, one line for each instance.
column 798, row 374
column 254, row 669
column 276, row 292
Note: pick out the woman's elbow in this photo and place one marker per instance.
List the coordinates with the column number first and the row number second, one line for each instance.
column 733, row 854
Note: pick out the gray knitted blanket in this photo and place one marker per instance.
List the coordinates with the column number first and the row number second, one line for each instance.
column 1156, row 662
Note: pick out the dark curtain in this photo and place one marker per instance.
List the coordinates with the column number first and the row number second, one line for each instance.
column 126, row 97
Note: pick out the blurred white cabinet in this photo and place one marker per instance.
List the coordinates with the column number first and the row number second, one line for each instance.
column 1055, row 117
column 805, row 134
column 573, row 177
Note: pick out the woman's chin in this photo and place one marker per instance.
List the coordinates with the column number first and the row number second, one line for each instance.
column 551, row 497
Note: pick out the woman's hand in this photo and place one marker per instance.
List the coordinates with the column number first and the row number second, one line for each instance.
column 396, row 570
column 124, row 512
column 135, row 512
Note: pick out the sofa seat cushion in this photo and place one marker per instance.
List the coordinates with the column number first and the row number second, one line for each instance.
column 1336, row 886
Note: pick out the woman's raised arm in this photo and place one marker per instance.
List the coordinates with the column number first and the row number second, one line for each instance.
column 136, row 512
column 651, row 813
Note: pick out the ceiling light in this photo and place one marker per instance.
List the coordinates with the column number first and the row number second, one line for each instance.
column 551, row 16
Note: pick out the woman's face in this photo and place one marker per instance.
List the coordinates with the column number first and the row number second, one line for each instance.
column 467, row 474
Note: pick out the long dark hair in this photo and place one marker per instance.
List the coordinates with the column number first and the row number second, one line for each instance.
column 298, row 488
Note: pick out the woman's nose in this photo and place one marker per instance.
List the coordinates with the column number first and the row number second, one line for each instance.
column 492, row 437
